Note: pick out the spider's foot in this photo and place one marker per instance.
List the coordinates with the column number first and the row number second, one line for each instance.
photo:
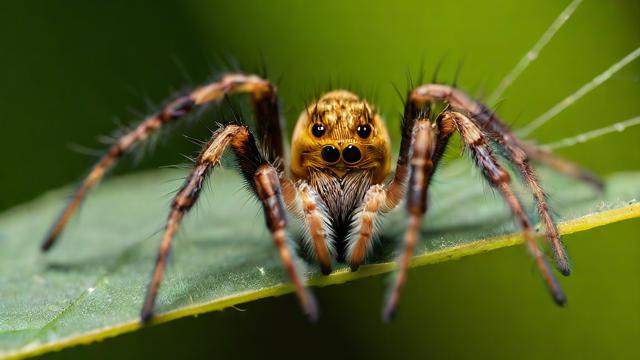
column 51, row 238
column 46, row 244
column 310, row 306
column 146, row 316
column 326, row 269
column 559, row 297
column 389, row 312
column 563, row 267
column 354, row 267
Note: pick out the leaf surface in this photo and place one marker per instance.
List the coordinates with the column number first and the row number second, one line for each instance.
column 91, row 286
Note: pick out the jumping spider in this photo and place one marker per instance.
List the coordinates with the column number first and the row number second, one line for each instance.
column 336, row 182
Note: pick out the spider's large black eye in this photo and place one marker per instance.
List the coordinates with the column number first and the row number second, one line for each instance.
column 318, row 130
column 364, row 131
column 330, row 154
column 351, row 154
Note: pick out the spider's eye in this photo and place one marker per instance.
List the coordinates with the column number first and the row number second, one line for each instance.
column 318, row 130
column 351, row 154
column 364, row 131
column 330, row 154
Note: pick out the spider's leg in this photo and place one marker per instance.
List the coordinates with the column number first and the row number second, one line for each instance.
column 311, row 209
column 377, row 200
column 500, row 132
column 421, row 165
column 520, row 151
column 265, row 104
column 561, row 165
column 516, row 154
column 380, row 199
column 482, row 154
column 262, row 177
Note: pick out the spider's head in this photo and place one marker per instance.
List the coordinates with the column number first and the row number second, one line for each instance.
column 340, row 132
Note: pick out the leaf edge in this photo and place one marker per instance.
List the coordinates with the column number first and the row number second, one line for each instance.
column 341, row 276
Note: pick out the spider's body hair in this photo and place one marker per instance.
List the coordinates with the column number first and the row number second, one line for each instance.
column 340, row 160
column 341, row 196
column 341, row 184
column 340, row 112
column 337, row 182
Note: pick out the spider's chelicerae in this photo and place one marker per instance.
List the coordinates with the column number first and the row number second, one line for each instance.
column 337, row 180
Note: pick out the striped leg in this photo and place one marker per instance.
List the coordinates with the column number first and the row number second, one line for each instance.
column 310, row 206
column 421, row 165
column 561, row 165
column 380, row 199
column 499, row 132
column 481, row 152
column 366, row 221
column 265, row 182
column 516, row 154
column 265, row 104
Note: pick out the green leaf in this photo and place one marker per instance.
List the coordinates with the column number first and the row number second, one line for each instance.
column 92, row 284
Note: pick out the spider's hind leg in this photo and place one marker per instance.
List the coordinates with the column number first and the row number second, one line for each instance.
column 561, row 165
column 499, row 132
column 476, row 141
column 262, row 177
column 518, row 154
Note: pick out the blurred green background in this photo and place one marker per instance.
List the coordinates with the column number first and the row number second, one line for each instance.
column 70, row 68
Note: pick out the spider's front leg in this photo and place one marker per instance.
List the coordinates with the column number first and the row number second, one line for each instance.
column 427, row 147
column 380, row 199
column 265, row 105
column 265, row 182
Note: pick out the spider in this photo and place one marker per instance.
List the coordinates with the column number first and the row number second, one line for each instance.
column 339, row 180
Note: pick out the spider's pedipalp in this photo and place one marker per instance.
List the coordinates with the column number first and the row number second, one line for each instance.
column 265, row 105
column 366, row 221
column 318, row 232
column 265, row 182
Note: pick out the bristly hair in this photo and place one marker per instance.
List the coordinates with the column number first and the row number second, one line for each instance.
column 369, row 94
column 436, row 70
column 422, row 71
column 263, row 66
column 456, row 74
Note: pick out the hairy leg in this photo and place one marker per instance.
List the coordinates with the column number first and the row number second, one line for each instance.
column 421, row 165
column 314, row 214
column 500, row 133
column 265, row 103
column 482, row 154
column 380, row 199
column 263, row 179
column 366, row 221
column 561, row 165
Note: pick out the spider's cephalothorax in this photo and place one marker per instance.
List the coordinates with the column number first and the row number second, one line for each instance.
column 339, row 180
column 340, row 147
